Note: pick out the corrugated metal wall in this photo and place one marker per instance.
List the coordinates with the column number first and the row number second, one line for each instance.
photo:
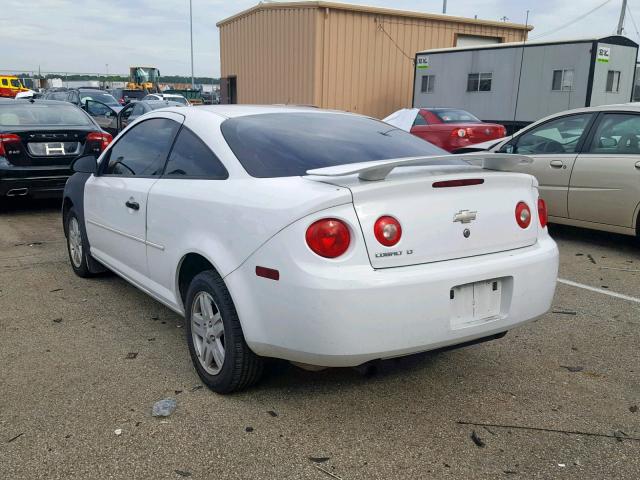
column 272, row 54
column 354, row 60
column 369, row 58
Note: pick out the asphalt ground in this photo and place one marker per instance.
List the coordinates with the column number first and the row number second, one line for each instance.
column 80, row 359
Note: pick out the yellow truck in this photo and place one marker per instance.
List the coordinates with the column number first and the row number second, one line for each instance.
column 144, row 78
column 10, row 86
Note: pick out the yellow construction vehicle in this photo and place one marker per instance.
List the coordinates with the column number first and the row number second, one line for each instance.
column 144, row 78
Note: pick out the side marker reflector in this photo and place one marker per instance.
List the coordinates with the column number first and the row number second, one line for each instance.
column 269, row 273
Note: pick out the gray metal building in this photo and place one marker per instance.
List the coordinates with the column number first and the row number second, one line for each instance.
column 518, row 83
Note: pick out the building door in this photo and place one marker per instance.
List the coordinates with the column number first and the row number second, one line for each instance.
column 228, row 90
column 233, row 92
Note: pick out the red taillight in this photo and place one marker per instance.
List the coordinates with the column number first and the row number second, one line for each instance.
column 328, row 237
column 542, row 212
column 523, row 214
column 6, row 139
column 503, row 132
column 387, row 231
column 458, row 183
column 103, row 138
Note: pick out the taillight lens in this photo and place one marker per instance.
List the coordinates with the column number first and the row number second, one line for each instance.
column 103, row 139
column 542, row 212
column 460, row 132
column 6, row 139
column 387, row 231
column 328, row 237
column 523, row 214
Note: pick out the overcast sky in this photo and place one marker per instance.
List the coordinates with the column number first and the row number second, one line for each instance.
column 84, row 36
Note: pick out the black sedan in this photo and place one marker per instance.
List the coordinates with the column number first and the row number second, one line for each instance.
column 39, row 139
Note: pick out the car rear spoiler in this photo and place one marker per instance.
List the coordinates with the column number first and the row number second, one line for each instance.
column 379, row 169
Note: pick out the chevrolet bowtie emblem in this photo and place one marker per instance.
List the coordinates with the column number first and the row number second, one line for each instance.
column 465, row 216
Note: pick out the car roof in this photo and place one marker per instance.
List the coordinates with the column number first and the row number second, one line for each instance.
column 156, row 102
column 232, row 111
column 39, row 101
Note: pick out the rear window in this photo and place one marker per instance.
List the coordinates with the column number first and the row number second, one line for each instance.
column 289, row 144
column 455, row 116
column 139, row 94
column 180, row 100
column 105, row 98
column 34, row 114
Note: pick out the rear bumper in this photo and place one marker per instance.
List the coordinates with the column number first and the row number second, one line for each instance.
column 33, row 182
column 348, row 316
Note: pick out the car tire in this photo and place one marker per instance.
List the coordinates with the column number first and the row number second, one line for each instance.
column 214, row 332
column 77, row 246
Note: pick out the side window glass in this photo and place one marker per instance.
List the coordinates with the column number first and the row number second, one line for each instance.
column 555, row 137
column 190, row 157
column 419, row 120
column 137, row 110
column 5, row 83
column 617, row 134
column 143, row 150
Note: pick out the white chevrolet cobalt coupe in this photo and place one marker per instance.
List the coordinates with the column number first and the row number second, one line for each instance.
column 324, row 238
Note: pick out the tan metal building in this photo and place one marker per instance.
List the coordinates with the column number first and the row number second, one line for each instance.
column 341, row 56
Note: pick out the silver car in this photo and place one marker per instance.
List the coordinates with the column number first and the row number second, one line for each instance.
column 587, row 162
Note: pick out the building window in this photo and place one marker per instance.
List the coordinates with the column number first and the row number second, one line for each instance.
column 562, row 81
column 479, row 82
column 428, row 82
column 613, row 81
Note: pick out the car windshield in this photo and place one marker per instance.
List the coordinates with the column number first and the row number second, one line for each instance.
column 178, row 99
column 34, row 114
column 289, row 144
column 156, row 104
column 102, row 97
column 455, row 116
column 15, row 83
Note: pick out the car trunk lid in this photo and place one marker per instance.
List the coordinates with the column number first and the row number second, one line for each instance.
column 445, row 211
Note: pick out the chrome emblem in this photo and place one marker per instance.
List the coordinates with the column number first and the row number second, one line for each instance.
column 465, row 216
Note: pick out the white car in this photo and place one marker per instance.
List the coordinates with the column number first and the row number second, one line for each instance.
column 324, row 238
column 172, row 97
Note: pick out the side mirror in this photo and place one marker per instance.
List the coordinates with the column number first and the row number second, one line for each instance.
column 85, row 164
column 508, row 148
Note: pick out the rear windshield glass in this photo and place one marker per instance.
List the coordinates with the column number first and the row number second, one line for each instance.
column 105, row 98
column 156, row 104
column 133, row 94
column 455, row 116
column 38, row 114
column 180, row 100
column 289, row 144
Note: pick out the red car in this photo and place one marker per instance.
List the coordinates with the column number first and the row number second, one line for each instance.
column 450, row 128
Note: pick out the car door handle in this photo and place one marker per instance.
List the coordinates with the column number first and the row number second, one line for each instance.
column 133, row 205
column 556, row 163
column 638, row 165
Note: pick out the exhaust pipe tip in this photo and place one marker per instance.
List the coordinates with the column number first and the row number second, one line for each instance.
column 17, row 192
